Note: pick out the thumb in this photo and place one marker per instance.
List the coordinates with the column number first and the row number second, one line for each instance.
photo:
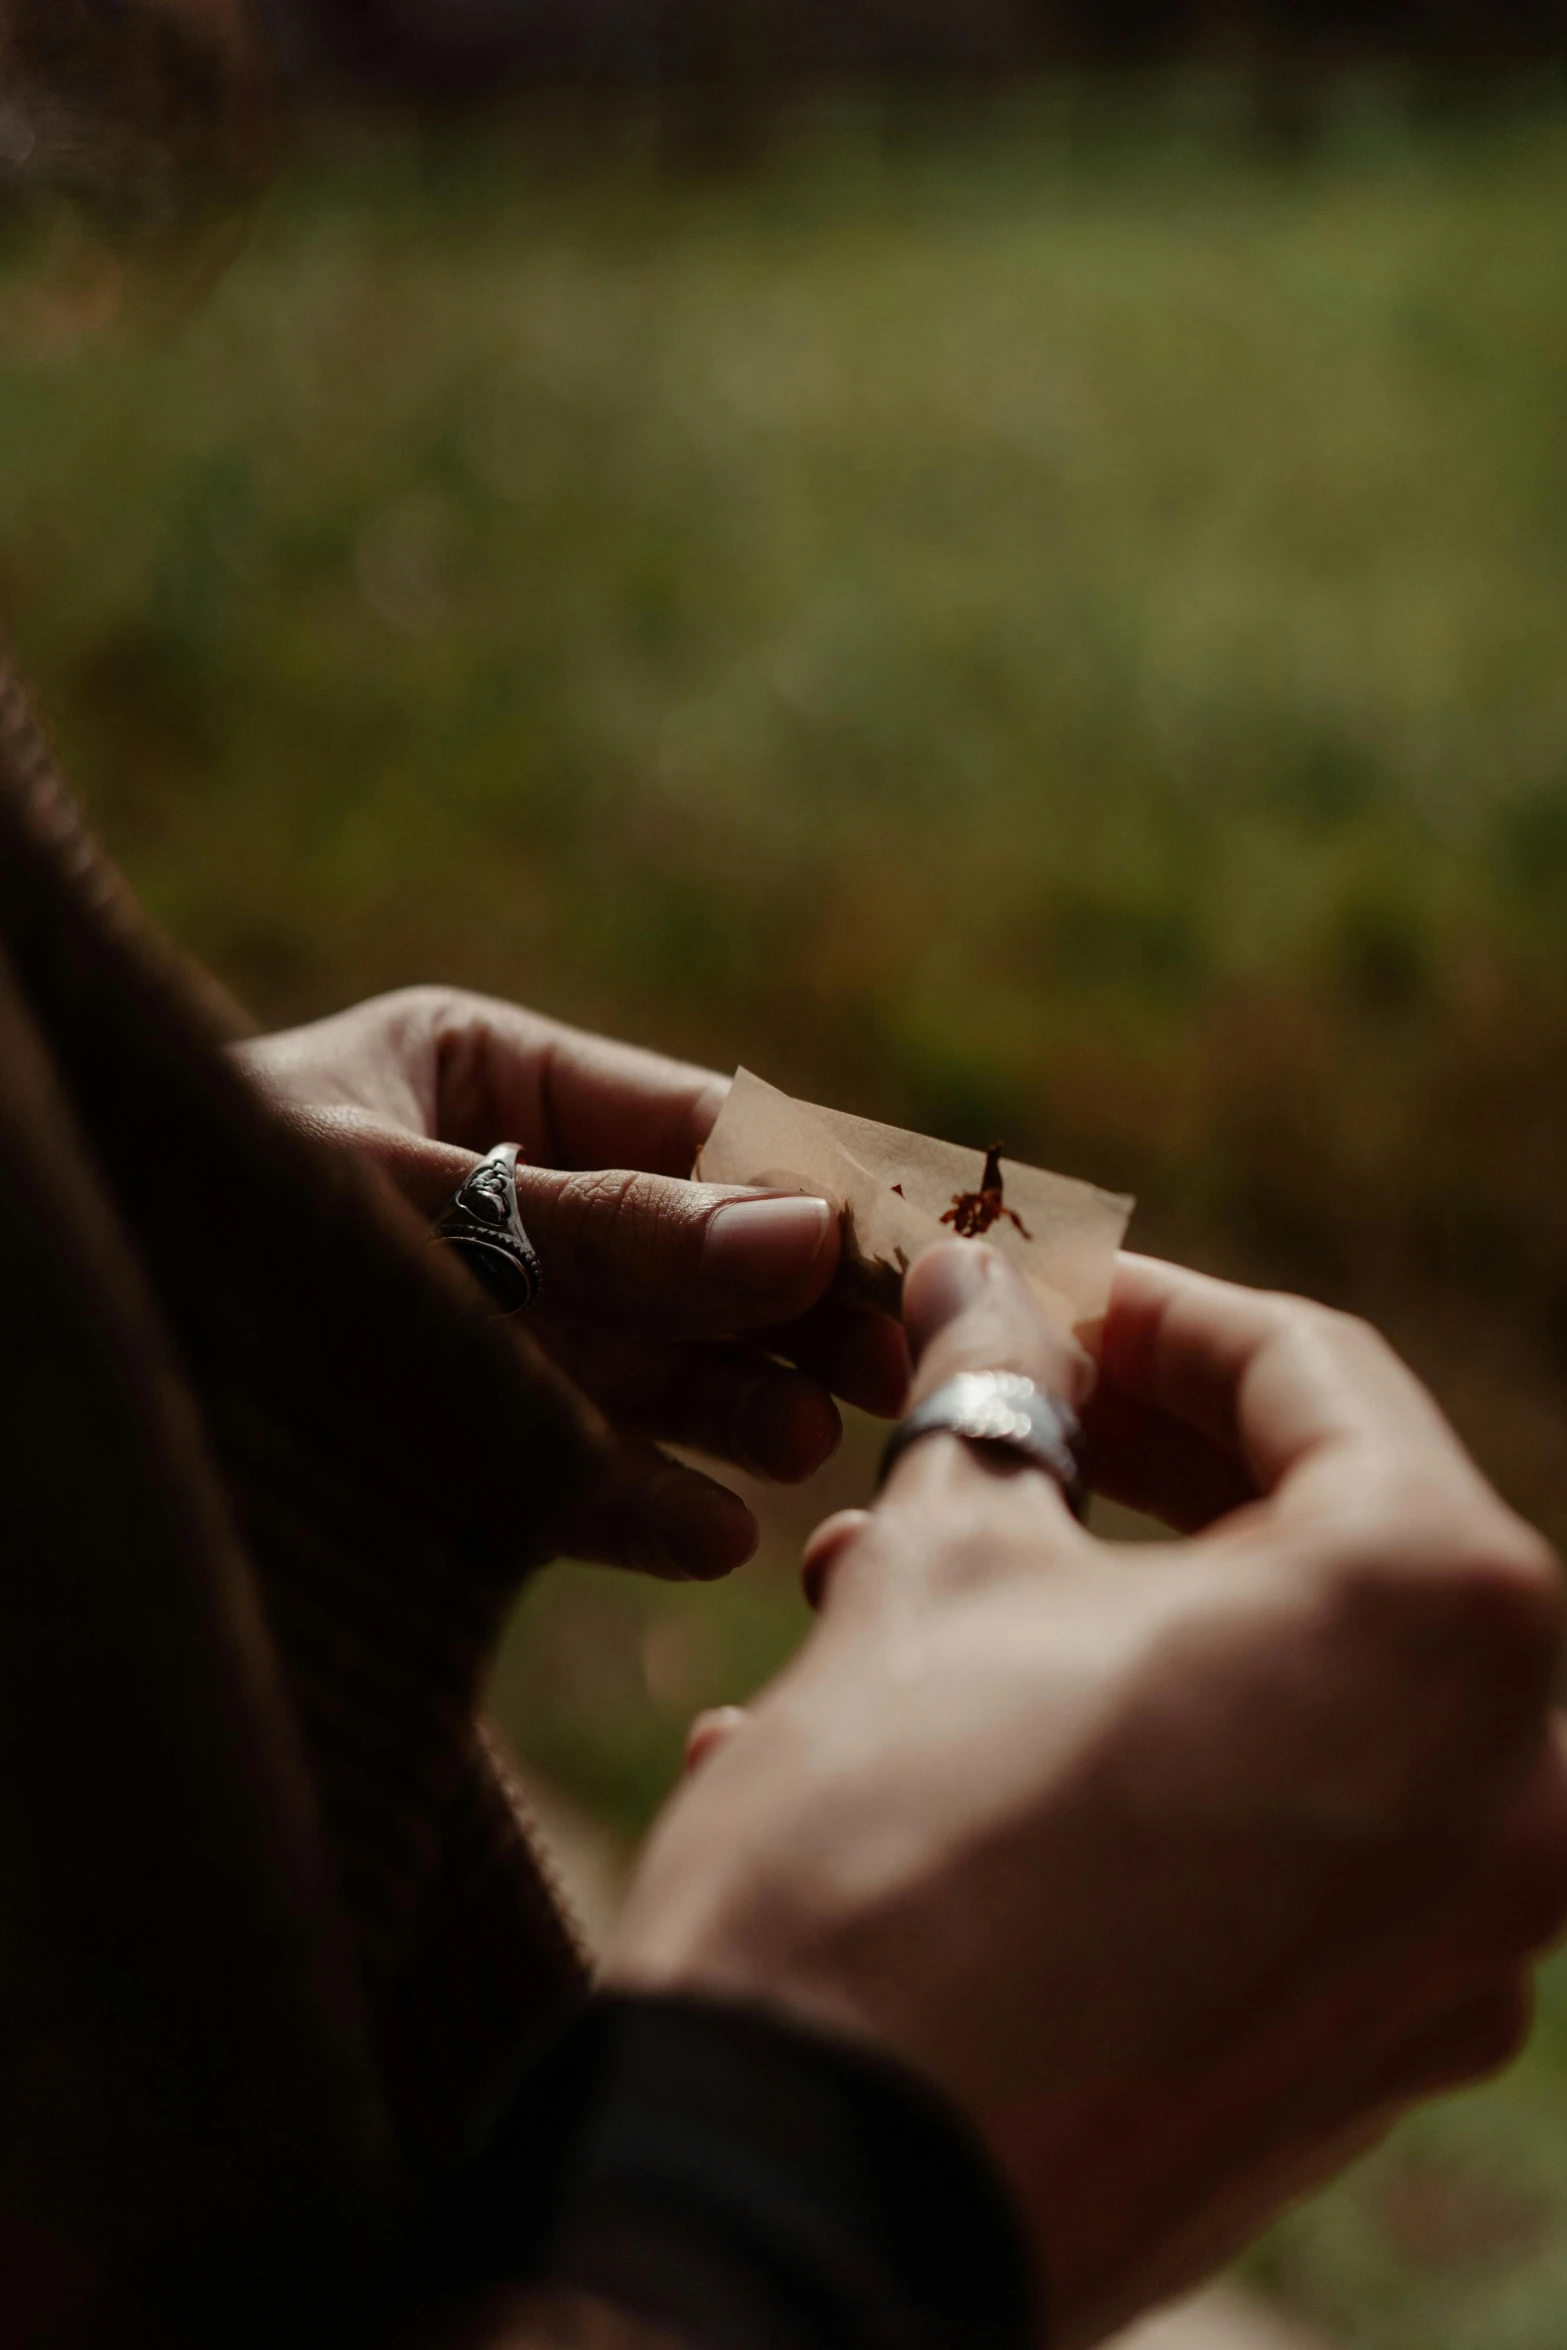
column 683, row 1259
column 943, row 1516
column 967, row 1309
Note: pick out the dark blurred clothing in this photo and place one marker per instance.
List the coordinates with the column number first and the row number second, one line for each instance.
column 276, row 1945
column 272, row 1925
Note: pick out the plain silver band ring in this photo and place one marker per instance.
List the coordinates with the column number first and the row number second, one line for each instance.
column 1004, row 1410
column 483, row 1223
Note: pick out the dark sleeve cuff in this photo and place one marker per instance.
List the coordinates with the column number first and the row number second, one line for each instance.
column 749, row 2183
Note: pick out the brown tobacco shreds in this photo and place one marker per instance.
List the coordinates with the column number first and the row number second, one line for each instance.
column 972, row 1213
column 898, row 1188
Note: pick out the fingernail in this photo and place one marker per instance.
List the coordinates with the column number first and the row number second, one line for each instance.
column 710, row 1731
column 789, row 1432
column 954, row 1277
column 757, row 1245
column 704, row 1531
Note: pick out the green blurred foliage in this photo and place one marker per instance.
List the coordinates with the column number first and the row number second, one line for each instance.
column 1051, row 628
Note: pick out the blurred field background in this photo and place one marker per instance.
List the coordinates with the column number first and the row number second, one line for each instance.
column 1043, row 618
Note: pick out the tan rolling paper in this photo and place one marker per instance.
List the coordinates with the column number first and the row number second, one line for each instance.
column 894, row 1189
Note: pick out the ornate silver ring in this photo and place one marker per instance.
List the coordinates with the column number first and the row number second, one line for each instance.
column 483, row 1223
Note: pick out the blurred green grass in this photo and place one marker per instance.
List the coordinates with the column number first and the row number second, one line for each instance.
column 1049, row 627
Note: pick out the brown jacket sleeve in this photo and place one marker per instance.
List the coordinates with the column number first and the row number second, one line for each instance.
column 272, row 1928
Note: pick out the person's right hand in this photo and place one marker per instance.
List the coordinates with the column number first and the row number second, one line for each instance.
column 1182, row 1868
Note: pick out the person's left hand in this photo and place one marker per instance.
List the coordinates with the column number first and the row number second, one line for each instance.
column 690, row 1313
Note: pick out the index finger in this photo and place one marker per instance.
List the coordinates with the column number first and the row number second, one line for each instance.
column 1289, row 1387
column 573, row 1100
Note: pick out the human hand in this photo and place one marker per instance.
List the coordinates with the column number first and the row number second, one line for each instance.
column 1182, row 1868
column 670, row 1303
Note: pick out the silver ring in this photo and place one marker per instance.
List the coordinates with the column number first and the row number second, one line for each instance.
column 483, row 1223
column 1004, row 1410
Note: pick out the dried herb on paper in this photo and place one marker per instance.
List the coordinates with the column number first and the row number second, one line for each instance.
column 972, row 1213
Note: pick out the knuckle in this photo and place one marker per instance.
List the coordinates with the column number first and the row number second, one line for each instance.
column 1329, row 1327
column 1448, row 1636
column 1341, row 1353
column 425, row 999
column 1506, row 1592
column 1334, row 1348
column 1479, row 1577
column 458, row 1031
column 450, row 1015
column 1352, row 1331
column 619, row 1225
